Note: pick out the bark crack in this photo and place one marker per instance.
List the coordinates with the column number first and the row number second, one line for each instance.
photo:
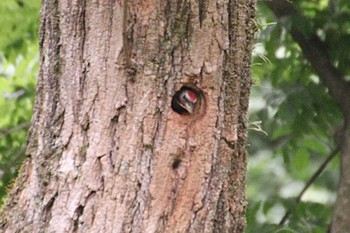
column 48, row 206
column 202, row 7
column 229, row 143
column 77, row 214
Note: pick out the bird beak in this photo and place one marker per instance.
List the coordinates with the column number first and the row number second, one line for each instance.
column 188, row 107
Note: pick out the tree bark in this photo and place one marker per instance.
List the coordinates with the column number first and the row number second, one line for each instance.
column 106, row 152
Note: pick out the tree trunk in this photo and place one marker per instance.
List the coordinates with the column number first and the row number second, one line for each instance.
column 341, row 216
column 106, row 152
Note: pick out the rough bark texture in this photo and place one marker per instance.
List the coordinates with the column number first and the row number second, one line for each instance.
column 315, row 51
column 341, row 217
column 106, row 151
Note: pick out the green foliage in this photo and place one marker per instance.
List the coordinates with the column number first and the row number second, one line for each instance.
column 19, row 23
column 18, row 74
column 310, row 217
column 299, row 117
column 17, row 85
column 296, row 111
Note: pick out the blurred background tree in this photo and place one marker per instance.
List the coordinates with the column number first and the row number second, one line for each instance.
column 292, row 116
column 296, row 113
column 19, row 23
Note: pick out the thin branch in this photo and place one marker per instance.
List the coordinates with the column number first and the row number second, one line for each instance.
column 315, row 51
column 310, row 182
column 256, row 126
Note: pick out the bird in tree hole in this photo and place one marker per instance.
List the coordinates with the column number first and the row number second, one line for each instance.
column 185, row 100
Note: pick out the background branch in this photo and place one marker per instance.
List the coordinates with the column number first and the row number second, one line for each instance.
column 315, row 51
column 310, row 182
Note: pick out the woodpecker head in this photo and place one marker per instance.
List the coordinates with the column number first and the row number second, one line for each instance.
column 184, row 100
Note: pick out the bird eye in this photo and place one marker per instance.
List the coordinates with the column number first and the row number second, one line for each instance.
column 182, row 96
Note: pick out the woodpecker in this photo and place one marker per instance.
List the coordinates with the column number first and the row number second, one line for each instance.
column 184, row 100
